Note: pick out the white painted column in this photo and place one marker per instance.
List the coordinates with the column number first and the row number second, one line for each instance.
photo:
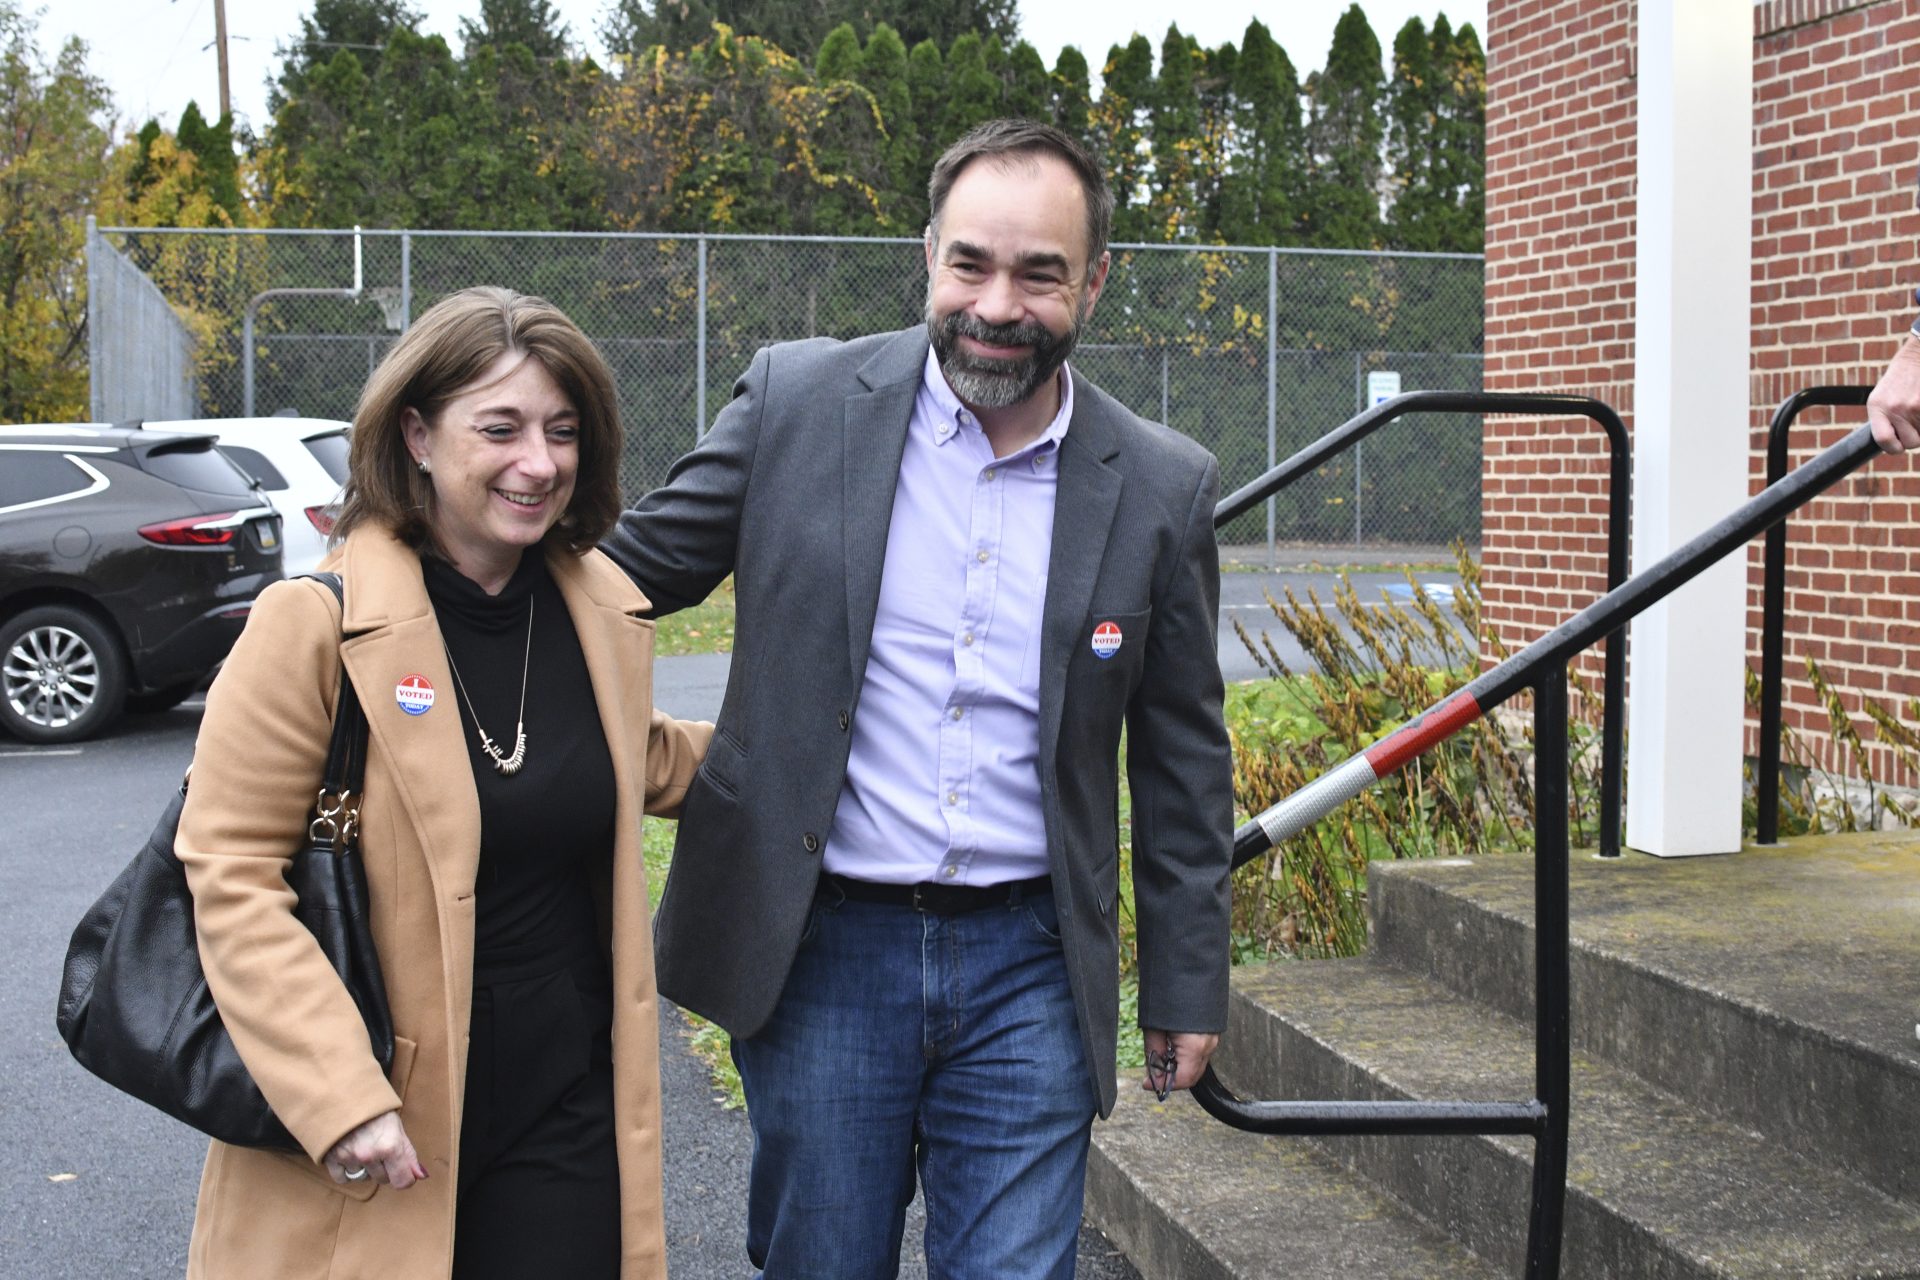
column 1690, row 434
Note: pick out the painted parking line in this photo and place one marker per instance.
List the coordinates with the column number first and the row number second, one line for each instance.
column 43, row 751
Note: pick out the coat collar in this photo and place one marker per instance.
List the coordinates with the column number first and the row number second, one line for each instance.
column 391, row 635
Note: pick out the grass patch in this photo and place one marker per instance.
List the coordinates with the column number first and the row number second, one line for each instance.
column 707, row 627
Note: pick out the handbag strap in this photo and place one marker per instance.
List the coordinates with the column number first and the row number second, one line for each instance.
column 347, row 751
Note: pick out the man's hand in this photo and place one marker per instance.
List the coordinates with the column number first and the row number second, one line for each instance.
column 1894, row 406
column 1190, row 1053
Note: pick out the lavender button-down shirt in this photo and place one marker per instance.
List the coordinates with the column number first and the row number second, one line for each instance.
column 943, row 780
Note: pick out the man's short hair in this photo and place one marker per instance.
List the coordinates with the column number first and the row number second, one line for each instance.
column 1002, row 138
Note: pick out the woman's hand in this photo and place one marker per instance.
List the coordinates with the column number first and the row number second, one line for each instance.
column 378, row 1149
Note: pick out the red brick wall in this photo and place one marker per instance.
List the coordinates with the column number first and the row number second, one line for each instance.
column 1836, row 149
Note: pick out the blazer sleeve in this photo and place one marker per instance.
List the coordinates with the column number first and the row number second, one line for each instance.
column 1180, row 768
column 675, row 749
column 679, row 542
column 256, row 769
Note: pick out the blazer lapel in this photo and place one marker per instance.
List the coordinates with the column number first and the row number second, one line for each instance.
column 397, row 637
column 874, row 436
column 1086, row 497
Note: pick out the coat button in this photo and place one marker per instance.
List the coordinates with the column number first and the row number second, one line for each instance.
column 844, row 722
column 811, row 842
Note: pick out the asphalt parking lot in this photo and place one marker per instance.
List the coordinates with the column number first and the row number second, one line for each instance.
column 97, row 1185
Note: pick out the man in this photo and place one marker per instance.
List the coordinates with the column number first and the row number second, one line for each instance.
column 1894, row 406
column 960, row 569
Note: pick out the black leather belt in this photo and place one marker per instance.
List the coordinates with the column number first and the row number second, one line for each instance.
column 941, row 899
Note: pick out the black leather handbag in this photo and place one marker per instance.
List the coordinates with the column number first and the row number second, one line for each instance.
column 134, row 1005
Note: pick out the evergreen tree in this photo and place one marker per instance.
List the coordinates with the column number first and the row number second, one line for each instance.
column 839, row 57
column 1174, row 120
column 1436, row 120
column 633, row 26
column 1260, row 205
column 927, row 87
column 361, row 27
column 217, row 167
column 884, row 71
column 1073, row 94
column 1461, row 163
column 1120, row 131
column 1348, row 97
column 1028, row 93
column 534, row 24
column 973, row 91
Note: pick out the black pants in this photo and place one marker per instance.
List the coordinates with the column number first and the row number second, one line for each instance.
column 539, row 1179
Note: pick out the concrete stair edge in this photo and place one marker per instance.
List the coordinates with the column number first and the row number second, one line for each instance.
column 1817, row 1091
column 1187, row 1198
column 1628, row 1215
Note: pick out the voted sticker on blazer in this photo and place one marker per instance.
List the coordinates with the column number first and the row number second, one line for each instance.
column 415, row 695
column 1106, row 640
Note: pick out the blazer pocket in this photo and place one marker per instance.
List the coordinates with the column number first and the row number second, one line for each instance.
column 397, row 1075
column 721, row 767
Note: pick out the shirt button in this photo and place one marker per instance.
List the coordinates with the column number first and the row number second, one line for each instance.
column 955, row 713
column 810, row 842
column 982, row 557
column 967, row 639
column 950, row 871
column 993, row 475
column 953, row 797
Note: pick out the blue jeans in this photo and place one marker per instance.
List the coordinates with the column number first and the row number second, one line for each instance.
column 907, row 1042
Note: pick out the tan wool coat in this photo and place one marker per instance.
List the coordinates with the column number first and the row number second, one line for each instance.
column 256, row 769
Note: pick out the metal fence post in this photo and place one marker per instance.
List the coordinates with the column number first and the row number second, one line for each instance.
column 700, row 350
column 95, row 386
column 406, row 281
column 1273, row 390
column 1359, row 406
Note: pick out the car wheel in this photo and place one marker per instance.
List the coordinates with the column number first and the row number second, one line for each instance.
column 62, row 676
column 142, row 704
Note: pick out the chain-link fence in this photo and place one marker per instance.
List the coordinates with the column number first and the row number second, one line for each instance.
column 132, row 331
column 1252, row 352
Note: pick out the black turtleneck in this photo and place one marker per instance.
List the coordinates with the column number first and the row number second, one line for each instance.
column 542, row 829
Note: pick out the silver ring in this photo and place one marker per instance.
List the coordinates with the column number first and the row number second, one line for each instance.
column 354, row 1175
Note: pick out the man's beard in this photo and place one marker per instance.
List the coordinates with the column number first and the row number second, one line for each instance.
column 986, row 382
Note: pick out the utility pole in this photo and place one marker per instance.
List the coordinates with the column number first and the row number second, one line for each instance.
column 220, row 43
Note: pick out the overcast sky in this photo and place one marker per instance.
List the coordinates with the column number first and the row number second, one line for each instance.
column 157, row 54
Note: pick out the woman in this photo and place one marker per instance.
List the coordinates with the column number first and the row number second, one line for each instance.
column 505, row 674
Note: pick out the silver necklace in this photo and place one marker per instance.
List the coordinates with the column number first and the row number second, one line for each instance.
column 506, row 765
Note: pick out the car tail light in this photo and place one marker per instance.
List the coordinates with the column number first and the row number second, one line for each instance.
column 193, row 531
column 237, row 611
column 322, row 518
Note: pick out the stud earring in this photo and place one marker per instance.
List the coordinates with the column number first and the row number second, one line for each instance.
column 426, row 467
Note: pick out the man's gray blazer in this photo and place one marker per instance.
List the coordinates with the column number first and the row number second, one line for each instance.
column 792, row 492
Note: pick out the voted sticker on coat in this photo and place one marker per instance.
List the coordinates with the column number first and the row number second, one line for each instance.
column 415, row 695
column 1106, row 640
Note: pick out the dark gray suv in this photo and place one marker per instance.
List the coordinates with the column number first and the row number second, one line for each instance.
column 128, row 563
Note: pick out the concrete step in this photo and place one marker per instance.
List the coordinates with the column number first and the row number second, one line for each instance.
column 1187, row 1198
column 1777, row 988
column 1657, row 1189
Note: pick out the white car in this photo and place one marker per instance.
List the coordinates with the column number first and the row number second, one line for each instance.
column 300, row 464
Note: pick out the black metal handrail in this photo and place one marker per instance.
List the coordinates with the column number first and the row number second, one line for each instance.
column 1619, row 502
column 1773, row 607
column 1541, row 666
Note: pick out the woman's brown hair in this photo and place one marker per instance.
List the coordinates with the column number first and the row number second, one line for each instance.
column 448, row 349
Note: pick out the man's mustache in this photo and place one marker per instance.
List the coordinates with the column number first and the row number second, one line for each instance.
column 1029, row 334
